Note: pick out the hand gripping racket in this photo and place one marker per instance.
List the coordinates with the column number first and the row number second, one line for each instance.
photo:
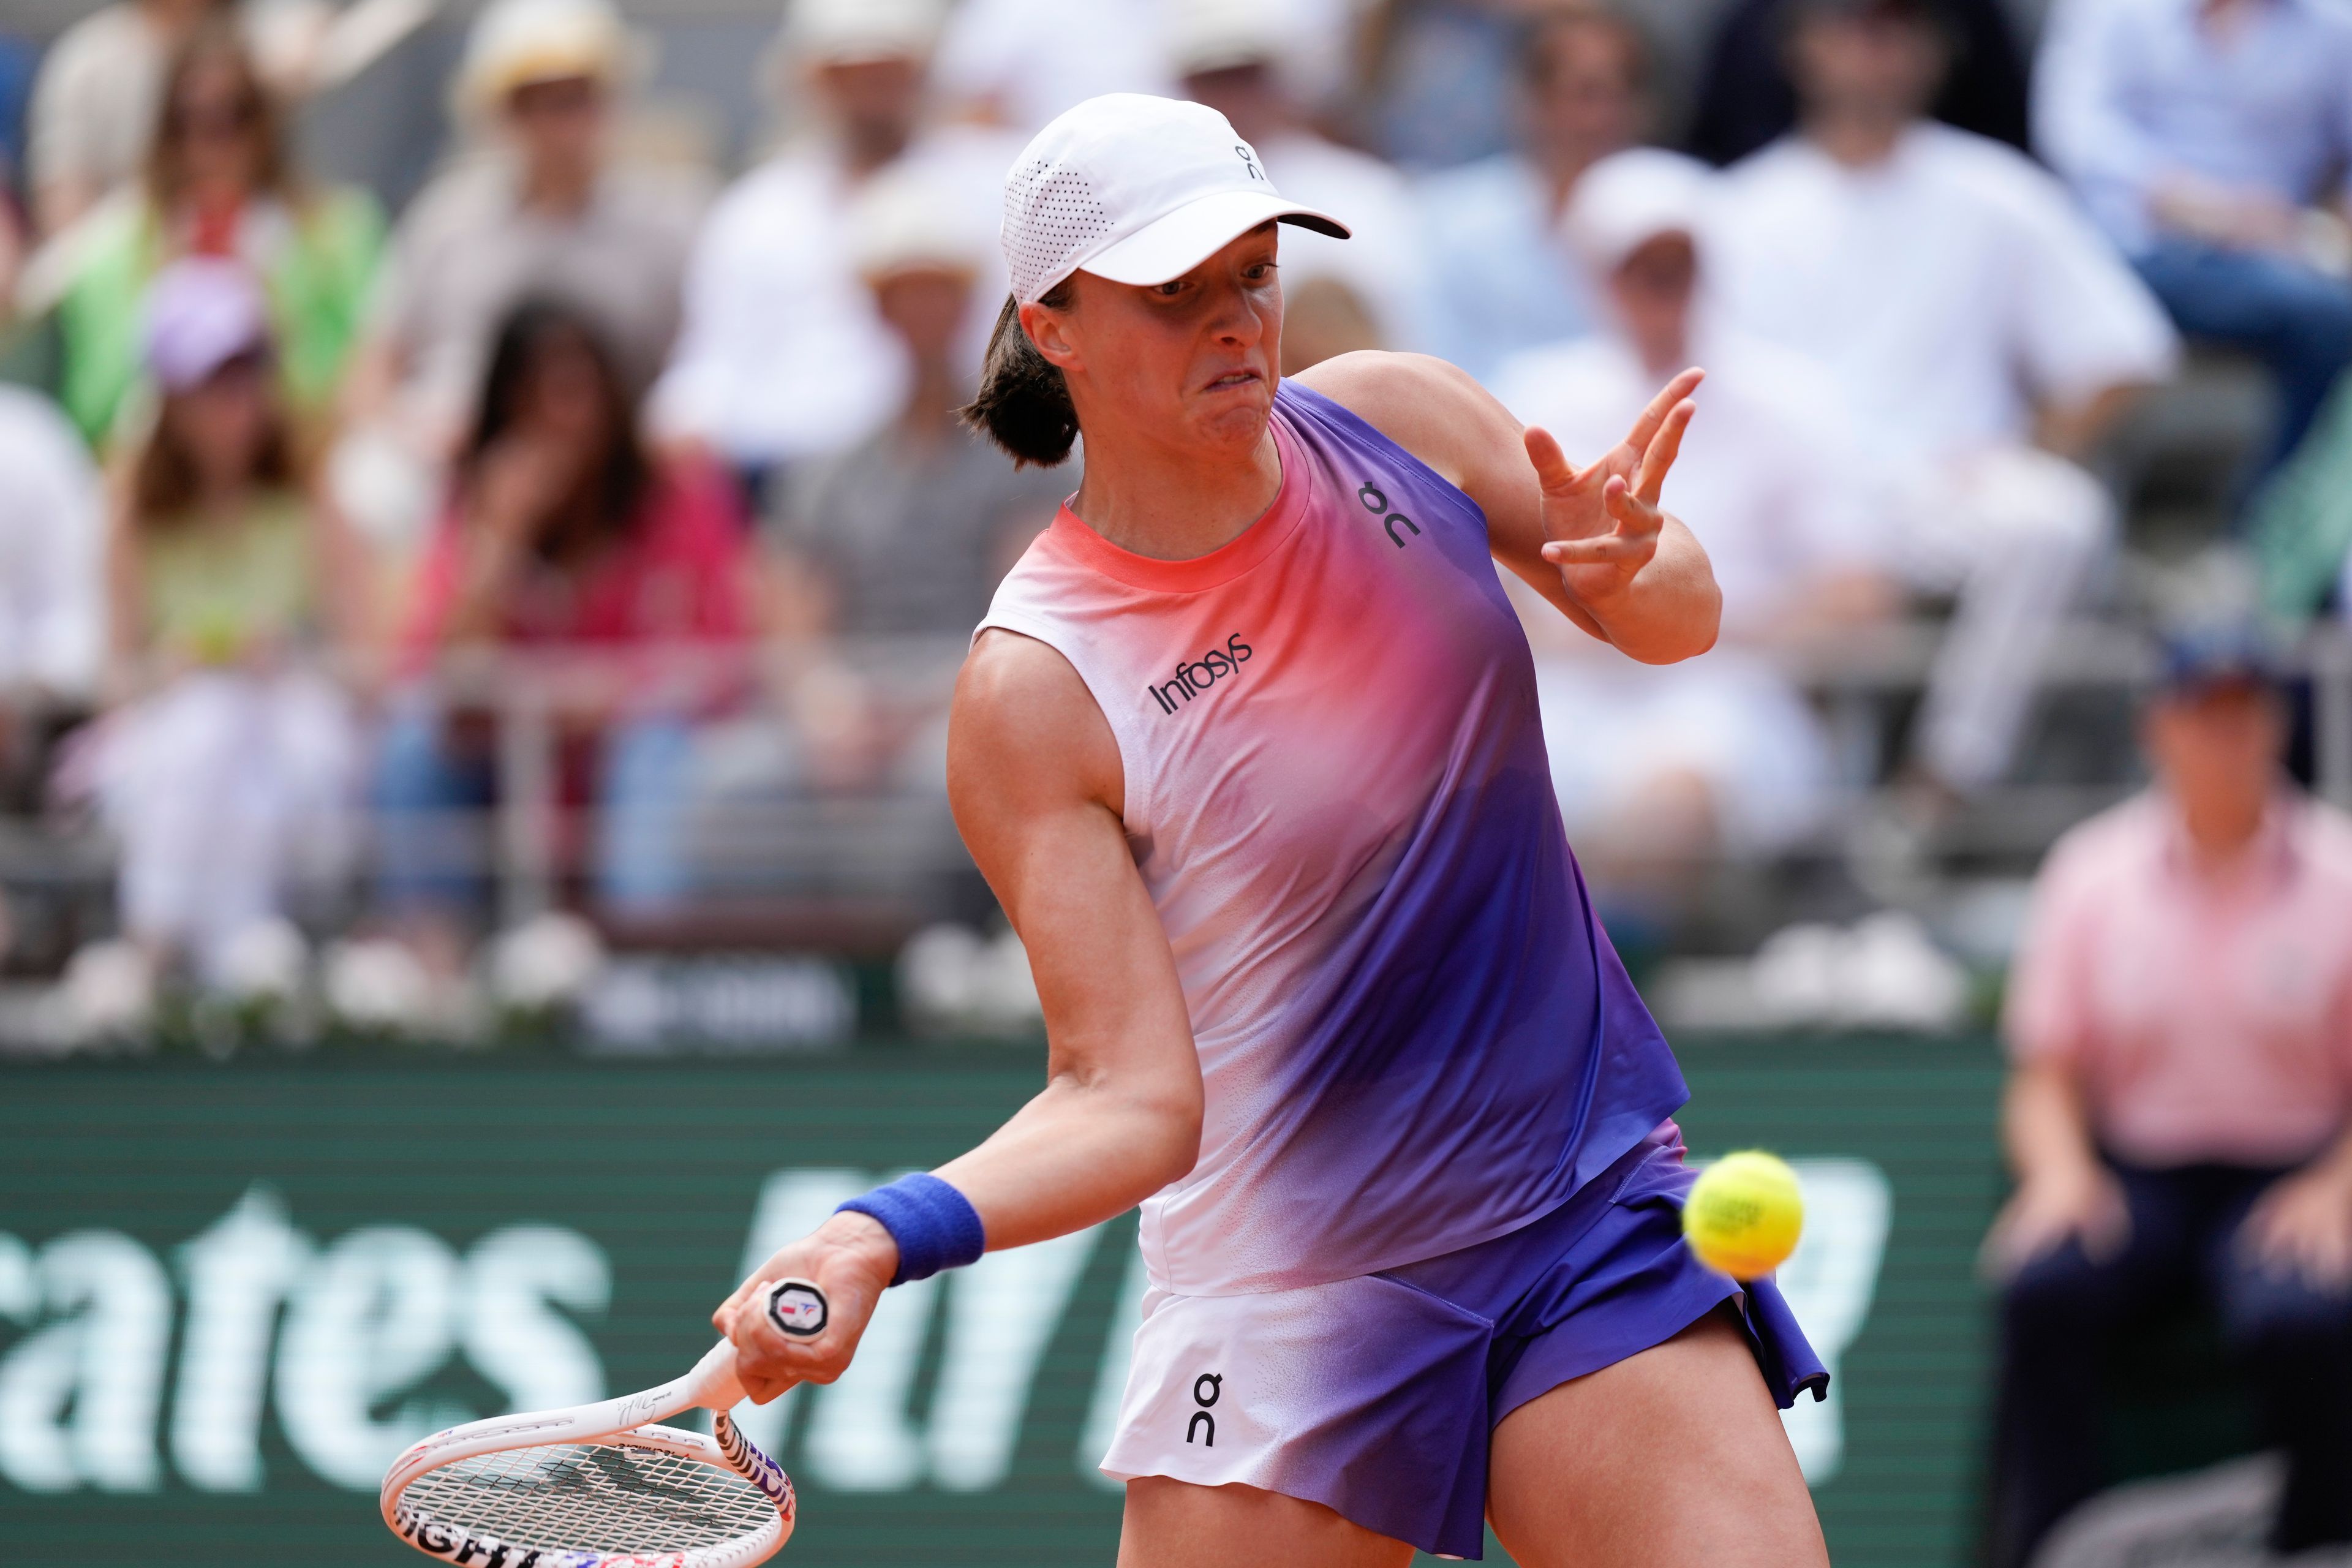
column 597, row 1486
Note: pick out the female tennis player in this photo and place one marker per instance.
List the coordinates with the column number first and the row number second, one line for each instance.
column 1248, row 749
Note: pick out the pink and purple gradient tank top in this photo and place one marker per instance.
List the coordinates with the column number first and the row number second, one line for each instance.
column 1413, row 1032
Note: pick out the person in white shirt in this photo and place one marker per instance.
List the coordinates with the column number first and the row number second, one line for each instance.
column 52, row 585
column 1678, row 763
column 1235, row 57
column 52, row 615
column 1984, row 333
column 782, row 355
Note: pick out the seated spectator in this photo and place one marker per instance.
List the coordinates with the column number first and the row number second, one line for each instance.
column 227, row 770
column 565, row 536
column 1744, row 101
column 1019, row 63
column 783, row 356
column 1983, row 334
column 96, row 103
column 548, row 211
column 1230, row 54
column 904, row 535
column 2179, row 1110
column 2212, row 140
column 1503, row 282
column 219, row 180
column 1667, row 766
column 52, row 597
column 52, row 610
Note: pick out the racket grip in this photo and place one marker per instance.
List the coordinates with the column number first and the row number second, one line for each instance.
column 798, row 1307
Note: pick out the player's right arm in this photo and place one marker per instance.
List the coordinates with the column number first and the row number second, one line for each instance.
column 1034, row 780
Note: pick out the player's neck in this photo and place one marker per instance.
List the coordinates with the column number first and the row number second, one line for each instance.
column 1171, row 503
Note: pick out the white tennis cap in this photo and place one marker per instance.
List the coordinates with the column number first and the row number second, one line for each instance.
column 1136, row 189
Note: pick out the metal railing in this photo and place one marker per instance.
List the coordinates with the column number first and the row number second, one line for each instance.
column 819, row 857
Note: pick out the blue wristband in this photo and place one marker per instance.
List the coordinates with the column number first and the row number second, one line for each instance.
column 935, row 1225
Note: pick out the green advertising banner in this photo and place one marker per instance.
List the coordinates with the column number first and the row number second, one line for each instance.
column 230, row 1293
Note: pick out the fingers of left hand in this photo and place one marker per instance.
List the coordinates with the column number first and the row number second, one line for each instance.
column 1604, row 550
column 1553, row 470
column 1663, row 448
column 1674, row 392
column 1636, row 515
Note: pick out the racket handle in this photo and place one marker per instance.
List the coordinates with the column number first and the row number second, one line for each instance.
column 798, row 1307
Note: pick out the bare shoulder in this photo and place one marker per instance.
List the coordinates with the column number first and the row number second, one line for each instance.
column 1025, row 731
column 1432, row 408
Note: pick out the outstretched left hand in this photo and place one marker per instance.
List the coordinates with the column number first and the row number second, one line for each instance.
column 1602, row 521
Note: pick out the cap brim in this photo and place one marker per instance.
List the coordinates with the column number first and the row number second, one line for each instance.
column 1171, row 246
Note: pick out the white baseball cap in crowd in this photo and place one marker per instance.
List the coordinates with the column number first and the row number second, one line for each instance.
column 858, row 32
column 1630, row 198
column 1136, row 189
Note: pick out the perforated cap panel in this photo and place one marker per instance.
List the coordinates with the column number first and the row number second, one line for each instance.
column 1051, row 222
column 1138, row 188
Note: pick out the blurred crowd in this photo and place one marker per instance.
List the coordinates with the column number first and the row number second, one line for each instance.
column 593, row 478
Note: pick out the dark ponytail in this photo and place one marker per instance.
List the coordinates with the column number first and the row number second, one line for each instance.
column 1023, row 404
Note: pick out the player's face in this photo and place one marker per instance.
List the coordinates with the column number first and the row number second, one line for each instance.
column 1192, row 360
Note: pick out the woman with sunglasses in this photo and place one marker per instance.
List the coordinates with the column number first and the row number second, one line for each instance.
column 218, row 182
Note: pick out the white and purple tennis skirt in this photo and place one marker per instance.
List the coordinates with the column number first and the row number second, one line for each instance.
column 1376, row 1396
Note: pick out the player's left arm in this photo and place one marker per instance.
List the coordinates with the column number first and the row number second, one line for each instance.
column 1593, row 541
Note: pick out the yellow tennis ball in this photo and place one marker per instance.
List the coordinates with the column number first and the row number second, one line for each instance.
column 1744, row 1215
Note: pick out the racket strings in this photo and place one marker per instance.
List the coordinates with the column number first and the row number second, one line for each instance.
column 599, row 1497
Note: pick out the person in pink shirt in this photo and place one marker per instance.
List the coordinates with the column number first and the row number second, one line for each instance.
column 2180, row 1113
column 566, row 541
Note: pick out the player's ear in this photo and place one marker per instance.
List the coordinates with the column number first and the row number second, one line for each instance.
column 1049, row 330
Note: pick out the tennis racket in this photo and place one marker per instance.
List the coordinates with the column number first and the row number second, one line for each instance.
column 599, row 1486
